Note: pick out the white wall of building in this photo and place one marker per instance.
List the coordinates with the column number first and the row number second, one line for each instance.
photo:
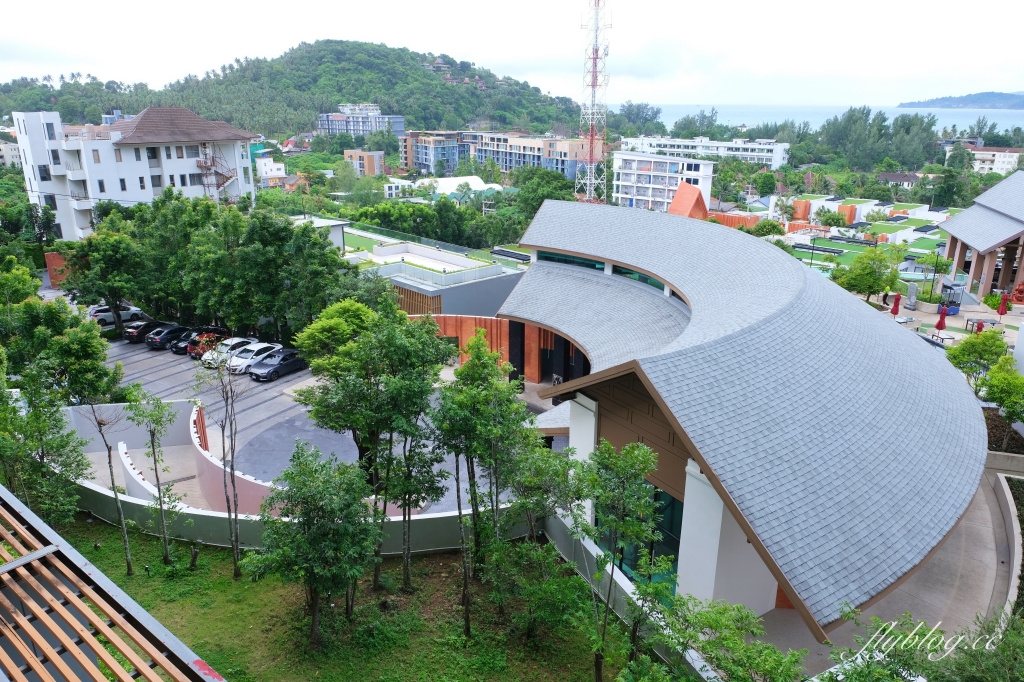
column 650, row 181
column 86, row 169
column 715, row 559
column 768, row 152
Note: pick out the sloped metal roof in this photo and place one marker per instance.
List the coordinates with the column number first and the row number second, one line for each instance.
column 850, row 447
column 996, row 218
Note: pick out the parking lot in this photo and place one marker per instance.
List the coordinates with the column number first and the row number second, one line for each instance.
column 269, row 419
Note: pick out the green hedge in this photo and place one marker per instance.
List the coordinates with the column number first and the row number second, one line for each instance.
column 34, row 250
column 993, row 301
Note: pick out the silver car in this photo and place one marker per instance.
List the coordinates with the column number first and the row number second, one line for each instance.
column 224, row 350
column 249, row 355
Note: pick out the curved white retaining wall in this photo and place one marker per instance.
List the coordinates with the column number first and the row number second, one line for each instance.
column 1013, row 537
column 135, row 482
column 210, row 474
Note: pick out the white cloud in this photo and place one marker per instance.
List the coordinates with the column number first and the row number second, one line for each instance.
column 801, row 52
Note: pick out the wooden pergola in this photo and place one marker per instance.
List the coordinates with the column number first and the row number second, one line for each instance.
column 62, row 619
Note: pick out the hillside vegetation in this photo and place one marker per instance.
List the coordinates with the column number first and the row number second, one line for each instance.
column 285, row 94
column 979, row 100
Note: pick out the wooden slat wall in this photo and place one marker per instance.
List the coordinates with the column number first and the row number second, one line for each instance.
column 626, row 413
column 416, row 303
column 464, row 327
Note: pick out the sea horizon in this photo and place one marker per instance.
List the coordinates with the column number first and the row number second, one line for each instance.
column 755, row 114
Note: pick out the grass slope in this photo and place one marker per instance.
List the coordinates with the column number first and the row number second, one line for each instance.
column 257, row 631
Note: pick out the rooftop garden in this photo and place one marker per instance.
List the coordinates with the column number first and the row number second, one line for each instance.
column 856, row 202
column 811, row 197
column 906, row 207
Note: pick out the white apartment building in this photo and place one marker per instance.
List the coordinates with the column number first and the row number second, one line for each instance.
column 769, row 152
column 10, row 155
column 359, row 119
column 270, row 173
column 992, row 159
column 650, row 180
column 70, row 168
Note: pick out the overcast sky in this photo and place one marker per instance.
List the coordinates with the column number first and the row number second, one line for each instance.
column 877, row 52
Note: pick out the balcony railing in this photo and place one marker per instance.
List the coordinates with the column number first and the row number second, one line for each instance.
column 83, row 135
column 72, row 166
column 78, row 196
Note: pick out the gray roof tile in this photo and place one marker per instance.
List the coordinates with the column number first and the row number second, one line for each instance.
column 849, row 446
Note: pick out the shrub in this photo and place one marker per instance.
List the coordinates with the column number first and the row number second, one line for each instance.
column 993, row 300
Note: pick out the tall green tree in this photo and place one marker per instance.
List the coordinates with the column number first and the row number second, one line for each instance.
column 624, row 511
column 16, row 284
column 313, row 270
column 976, row 354
column 318, row 529
column 155, row 417
column 107, row 266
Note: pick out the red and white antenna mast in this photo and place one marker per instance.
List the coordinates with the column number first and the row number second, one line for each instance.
column 593, row 110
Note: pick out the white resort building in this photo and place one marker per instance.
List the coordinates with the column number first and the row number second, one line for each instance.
column 70, row 168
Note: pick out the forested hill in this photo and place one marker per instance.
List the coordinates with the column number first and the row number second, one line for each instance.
column 979, row 100
column 285, row 94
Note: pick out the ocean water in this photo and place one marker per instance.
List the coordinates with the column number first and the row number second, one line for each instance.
column 753, row 114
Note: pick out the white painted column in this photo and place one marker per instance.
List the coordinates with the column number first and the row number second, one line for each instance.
column 715, row 559
column 608, row 268
column 583, row 433
column 699, row 535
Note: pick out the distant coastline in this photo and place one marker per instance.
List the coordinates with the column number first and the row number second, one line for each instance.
column 980, row 100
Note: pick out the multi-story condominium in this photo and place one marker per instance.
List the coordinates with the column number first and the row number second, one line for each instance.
column 511, row 151
column 650, row 180
column 365, row 163
column 769, row 152
column 70, row 168
column 359, row 119
column 992, row 159
column 423, row 149
column 270, row 173
column 10, row 155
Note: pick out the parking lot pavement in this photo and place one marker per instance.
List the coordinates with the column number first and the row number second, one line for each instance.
column 174, row 377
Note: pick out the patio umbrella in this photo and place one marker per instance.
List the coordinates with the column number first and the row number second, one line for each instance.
column 940, row 324
column 980, row 328
column 1002, row 306
column 896, row 305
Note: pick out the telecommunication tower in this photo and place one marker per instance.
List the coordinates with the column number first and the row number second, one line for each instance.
column 593, row 110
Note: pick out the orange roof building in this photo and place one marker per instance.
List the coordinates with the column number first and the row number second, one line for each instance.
column 688, row 202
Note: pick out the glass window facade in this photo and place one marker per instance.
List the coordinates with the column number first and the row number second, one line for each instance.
column 669, row 512
column 638, row 276
column 570, row 260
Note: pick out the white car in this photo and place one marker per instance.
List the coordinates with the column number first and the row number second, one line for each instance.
column 103, row 315
column 249, row 355
column 224, row 350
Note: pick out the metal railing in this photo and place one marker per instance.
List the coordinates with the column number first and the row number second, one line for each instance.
column 78, row 196
column 83, row 135
column 72, row 166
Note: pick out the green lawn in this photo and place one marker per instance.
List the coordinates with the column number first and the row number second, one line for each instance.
column 257, row 631
column 810, row 197
column 855, row 202
column 886, row 228
column 906, row 207
column 925, row 243
column 916, row 222
column 514, row 247
column 356, row 241
column 954, row 211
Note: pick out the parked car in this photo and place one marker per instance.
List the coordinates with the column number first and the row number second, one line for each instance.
column 103, row 315
column 277, row 364
column 224, row 351
column 180, row 346
column 135, row 332
column 248, row 356
column 202, row 343
column 162, row 337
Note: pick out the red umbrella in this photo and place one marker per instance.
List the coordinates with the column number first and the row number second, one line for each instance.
column 980, row 328
column 896, row 305
column 940, row 324
column 1002, row 306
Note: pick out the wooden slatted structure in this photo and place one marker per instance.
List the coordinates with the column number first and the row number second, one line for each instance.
column 62, row 619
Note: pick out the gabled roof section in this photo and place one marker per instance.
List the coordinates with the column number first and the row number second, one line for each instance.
column 688, row 202
column 849, row 463
column 159, row 125
column 996, row 218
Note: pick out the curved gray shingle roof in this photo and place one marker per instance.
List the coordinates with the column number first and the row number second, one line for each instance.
column 638, row 319
column 849, row 446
